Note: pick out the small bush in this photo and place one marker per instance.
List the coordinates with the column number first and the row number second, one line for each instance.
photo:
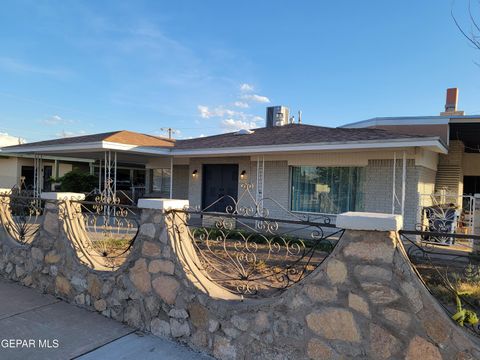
column 78, row 181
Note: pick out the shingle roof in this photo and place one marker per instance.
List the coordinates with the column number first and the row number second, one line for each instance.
column 291, row 134
column 121, row 137
column 279, row 135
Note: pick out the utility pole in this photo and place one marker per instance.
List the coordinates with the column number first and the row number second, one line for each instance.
column 170, row 131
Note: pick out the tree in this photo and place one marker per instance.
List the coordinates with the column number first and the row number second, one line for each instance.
column 473, row 34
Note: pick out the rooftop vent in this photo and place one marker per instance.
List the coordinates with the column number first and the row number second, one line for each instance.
column 244, row 132
column 277, row 116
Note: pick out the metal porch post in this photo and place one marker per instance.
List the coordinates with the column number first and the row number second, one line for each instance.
column 171, row 177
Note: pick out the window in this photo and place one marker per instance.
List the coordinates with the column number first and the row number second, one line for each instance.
column 330, row 190
column 161, row 181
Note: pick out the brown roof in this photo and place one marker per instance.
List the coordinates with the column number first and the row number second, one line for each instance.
column 121, row 137
column 291, row 134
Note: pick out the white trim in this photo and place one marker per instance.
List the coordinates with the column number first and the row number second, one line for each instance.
column 414, row 120
column 425, row 120
column 58, row 147
column 48, row 158
column 88, row 147
column 433, row 143
column 136, row 148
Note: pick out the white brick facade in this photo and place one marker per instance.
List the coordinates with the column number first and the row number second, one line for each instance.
column 377, row 186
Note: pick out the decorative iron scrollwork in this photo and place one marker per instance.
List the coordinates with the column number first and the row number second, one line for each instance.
column 20, row 214
column 450, row 273
column 102, row 231
column 249, row 252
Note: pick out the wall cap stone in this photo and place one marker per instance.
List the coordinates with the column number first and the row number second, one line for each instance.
column 162, row 204
column 62, row 196
column 353, row 220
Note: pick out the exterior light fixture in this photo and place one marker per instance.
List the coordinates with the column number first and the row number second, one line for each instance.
column 243, row 175
column 195, row 174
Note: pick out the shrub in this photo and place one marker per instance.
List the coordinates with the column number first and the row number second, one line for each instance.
column 78, row 181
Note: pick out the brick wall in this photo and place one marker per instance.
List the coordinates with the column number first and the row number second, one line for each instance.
column 377, row 191
column 379, row 187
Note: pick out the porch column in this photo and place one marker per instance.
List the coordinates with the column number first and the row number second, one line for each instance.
column 171, row 177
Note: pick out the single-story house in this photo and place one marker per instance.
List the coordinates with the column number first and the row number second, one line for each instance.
column 19, row 170
column 379, row 165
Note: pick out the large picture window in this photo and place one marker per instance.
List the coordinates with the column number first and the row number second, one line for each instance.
column 161, row 181
column 330, row 190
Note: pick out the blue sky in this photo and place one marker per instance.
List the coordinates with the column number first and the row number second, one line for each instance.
column 205, row 67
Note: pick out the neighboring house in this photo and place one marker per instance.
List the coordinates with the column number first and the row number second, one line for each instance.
column 114, row 154
column 18, row 170
column 457, row 176
column 378, row 165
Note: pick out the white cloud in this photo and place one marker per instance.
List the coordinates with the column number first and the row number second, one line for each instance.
column 219, row 111
column 241, row 104
column 236, row 118
column 203, row 110
column 55, row 120
column 18, row 66
column 256, row 98
column 230, row 125
column 8, row 140
column 65, row 134
column 246, row 87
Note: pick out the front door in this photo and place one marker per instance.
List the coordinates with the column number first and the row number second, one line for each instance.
column 220, row 186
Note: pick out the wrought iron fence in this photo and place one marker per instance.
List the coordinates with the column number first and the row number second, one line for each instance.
column 444, row 212
column 102, row 231
column 249, row 252
column 21, row 215
column 451, row 273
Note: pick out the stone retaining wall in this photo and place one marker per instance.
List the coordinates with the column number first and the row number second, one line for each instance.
column 364, row 302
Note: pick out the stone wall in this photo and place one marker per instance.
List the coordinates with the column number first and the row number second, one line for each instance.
column 364, row 302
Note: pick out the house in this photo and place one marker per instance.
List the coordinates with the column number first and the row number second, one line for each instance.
column 456, row 177
column 303, row 168
column 19, row 170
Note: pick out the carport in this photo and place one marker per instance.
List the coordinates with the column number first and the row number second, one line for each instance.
column 110, row 152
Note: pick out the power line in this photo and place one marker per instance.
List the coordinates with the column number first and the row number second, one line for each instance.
column 170, row 131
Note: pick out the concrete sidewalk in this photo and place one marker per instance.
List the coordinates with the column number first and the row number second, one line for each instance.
column 38, row 326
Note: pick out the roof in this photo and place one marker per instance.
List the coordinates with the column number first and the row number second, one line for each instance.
column 291, row 134
column 287, row 138
column 414, row 120
column 120, row 137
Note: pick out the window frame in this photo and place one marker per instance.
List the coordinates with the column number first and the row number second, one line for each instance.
column 290, row 188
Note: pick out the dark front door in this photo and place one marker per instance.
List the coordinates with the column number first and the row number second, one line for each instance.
column 220, row 186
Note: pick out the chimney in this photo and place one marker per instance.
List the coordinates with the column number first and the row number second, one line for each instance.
column 451, row 103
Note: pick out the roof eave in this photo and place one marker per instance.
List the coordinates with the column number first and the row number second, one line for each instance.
column 431, row 143
column 85, row 147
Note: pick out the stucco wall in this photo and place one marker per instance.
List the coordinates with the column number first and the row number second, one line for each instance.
column 471, row 164
column 8, row 172
column 364, row 302
column 181, row 179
